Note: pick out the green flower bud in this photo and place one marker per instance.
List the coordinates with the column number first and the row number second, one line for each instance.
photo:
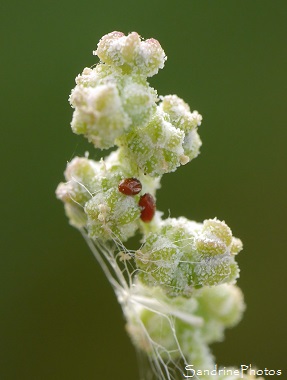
column 179, row 113
column 214, row 239
column 166, row 323
column 138, row 99
column 130, row 54
column 184, row 255
column 81, row 176
column 157, row 147
column 112, row 215
column 236, row 246
column 223, row 302
column 99, row 114
column 191, row 144
column 100, row 74
column 215, row 229
column 160, row 257
column 76, row 215
column 181, row 117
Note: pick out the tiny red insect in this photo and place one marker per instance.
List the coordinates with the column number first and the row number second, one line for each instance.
column 148, row 207
column 130, row 186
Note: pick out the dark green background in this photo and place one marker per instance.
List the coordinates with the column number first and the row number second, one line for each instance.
column 227, row 59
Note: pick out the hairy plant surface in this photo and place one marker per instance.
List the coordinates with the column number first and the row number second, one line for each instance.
column 178, row 290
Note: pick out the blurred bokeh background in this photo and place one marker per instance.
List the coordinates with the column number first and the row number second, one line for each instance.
column 59, row 318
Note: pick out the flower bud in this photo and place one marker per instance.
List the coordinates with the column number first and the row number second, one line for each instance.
column 157, row 147
column 112, row 215
column 130, row 54
column 81, row 176
column 139, row 100
column 99, row 114
column 182, row 256
column 188, row 323
column 179, row 113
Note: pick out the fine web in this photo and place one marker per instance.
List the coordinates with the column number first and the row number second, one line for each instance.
column 117, row 263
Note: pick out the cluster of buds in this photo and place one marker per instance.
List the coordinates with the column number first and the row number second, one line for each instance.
column 96, row 197
column 199, row 321
column 114, row 105
column 187, row 269
column 182, row 256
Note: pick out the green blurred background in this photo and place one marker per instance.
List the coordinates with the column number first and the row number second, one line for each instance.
column 227, row 59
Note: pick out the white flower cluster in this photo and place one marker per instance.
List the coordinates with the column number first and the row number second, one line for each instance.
column 92, row 198
column 180, row 294
column 114, row 105
column 182, row 256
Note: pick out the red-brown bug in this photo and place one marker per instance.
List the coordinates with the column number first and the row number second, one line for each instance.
column 130, row 186
column 148, row 207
